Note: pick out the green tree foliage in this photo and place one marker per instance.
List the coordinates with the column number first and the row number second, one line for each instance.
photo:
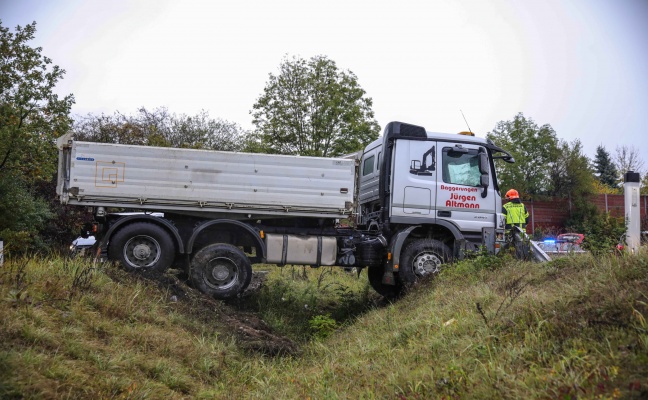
column 161, row 128
column 571, row 177
column 602, row 231
column 312, row 108
column 534, row 148
column 570, row 173
column 606, row 171
column 31, row 117
column 31, row 114
column 22, row 214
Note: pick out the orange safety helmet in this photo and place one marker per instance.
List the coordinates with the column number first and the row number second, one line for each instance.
column 512, row 194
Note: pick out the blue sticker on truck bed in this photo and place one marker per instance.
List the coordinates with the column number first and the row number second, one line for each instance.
column 85, row 159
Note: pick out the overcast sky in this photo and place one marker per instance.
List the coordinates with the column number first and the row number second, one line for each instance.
column 580, row 65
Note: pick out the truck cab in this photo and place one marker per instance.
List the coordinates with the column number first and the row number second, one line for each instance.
column 416, row 185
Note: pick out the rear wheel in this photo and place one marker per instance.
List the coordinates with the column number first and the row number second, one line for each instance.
column 422, row 257
column 220, row 270
column 142, row 246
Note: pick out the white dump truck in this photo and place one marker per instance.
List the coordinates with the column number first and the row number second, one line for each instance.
column 410, row 202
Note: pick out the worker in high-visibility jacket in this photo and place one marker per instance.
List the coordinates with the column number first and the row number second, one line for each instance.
column 516, row 213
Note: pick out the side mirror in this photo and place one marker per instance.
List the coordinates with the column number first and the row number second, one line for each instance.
column 484, row 169
column 483, row 163
column 483, row 182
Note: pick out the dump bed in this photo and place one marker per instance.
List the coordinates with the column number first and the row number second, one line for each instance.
column 203, row 181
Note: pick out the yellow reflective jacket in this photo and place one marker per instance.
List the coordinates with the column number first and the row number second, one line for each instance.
column 516, row 214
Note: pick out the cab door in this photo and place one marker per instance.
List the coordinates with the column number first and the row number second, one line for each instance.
column 465, row 194
column 414, row 176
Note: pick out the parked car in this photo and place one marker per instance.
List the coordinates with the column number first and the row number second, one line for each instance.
column 563, row 244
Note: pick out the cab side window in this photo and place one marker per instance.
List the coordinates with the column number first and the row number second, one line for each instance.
column 368, row 165
column 460, row 166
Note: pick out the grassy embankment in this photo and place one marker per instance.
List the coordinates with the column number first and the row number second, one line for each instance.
column 488, row 328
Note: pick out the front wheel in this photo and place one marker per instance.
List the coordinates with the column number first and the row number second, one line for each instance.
column 422, row 257
column 142, row 246
column 220, row 270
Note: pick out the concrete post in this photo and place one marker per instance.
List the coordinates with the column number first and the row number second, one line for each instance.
column 1, row 252
column 632, row 210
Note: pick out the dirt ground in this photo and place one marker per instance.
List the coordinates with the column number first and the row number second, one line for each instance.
column 251, row 332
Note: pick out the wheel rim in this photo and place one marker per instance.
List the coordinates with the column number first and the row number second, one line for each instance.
column 427, row 263
column 220, row 273
column 142, row 251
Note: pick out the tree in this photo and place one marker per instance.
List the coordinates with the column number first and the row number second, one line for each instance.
column 605, row 169
column 601, row 188
column 311, row 108
column 534, row 148
column 570, row 173
column 161, row 128
column 31, row 114
column 200, row 131
column 31, row 117
column 628, row 159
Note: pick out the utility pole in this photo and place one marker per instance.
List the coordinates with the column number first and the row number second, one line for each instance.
column 632, row 210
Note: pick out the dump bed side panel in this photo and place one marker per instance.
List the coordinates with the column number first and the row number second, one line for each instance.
column 187, row 179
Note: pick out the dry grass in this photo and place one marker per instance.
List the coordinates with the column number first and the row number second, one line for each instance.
column 488, row 328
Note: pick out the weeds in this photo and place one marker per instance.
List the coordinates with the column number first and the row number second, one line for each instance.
column 566, row 329
column 288, row 303
column 82, row 278
column 16, row 273
column 322, row 326
column 512, row 290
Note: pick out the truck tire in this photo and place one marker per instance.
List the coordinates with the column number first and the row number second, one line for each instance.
column 387, row 291
column 422, row 257
column 220, row 270
column 142, row 246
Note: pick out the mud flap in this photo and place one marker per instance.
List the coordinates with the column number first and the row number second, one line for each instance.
column 388, row 278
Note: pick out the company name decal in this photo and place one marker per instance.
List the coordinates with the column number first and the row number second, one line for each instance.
column 85, row 159
column 461, row 200
column 459, row 188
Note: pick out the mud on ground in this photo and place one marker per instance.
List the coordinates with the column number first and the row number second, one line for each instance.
column 251, row 332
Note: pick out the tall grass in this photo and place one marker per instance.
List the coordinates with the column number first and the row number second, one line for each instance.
column 487, row 328
column 302, row 303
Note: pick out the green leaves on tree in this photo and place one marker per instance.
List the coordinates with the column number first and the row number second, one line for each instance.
column 161, row 128
column 31, row 117
column 606, row 171
column 312, row 108
column 31, row 114
column 534, row 149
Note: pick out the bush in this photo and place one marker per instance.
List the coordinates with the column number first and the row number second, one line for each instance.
column 602, row 231
column 322, row 326
column 302, row 305
column 22, row 214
